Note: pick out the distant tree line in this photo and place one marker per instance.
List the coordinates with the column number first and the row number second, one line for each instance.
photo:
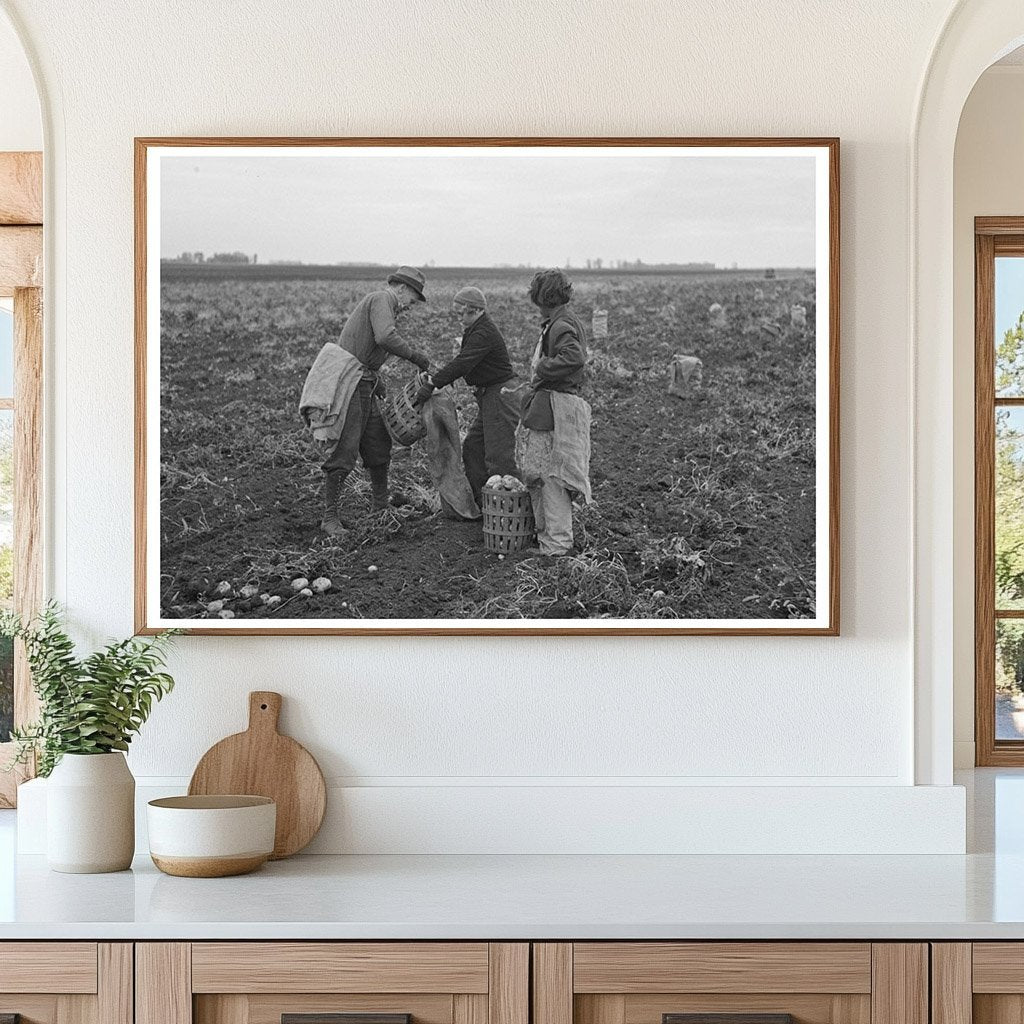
column 217, row 257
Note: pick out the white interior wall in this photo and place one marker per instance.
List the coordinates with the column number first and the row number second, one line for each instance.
column 431, row 716
column 21, row 126
column 987, row 182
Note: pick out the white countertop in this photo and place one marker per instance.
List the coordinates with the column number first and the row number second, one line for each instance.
column 977, row 896
column 517, row 897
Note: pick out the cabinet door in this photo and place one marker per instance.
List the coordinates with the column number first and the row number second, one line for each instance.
column 66, row 983
column 332, row 983
column 980, row 982
column 730, row 983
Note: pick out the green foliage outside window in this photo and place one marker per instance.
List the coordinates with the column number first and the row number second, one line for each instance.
column 6, row 572
column 6, row 688
column 1009, row 511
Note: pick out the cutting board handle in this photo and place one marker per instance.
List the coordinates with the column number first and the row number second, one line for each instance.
column 264, row 710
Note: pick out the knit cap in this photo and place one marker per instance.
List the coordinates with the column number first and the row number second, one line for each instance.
column 471, row 296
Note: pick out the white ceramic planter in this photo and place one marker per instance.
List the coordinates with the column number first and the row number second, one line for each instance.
column 90, row 814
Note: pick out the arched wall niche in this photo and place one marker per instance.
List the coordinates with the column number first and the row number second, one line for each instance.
column 989, row 146
column 21, row 131
column 975, row 35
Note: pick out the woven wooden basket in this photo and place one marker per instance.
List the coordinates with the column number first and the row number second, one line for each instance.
column 508, row 520
column 403, row 419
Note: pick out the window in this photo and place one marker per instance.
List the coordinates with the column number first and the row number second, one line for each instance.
column 21, row 366
column 6, row 510
column 20, row 502
column 999, row 490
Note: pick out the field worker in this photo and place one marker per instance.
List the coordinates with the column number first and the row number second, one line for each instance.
column 483, row 361
column 556, row 443
column 370, row 334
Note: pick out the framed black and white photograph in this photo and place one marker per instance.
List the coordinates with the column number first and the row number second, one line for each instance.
column 568, row 386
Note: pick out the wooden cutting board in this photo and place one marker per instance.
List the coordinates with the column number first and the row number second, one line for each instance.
column 262, row 762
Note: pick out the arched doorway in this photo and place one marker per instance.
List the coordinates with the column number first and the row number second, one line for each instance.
column 21, row 251
column 976, row 34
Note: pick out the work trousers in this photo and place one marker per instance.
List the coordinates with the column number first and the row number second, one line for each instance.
column 552, row 510
column 551, row 499
column 490, row 445
column 364, row 434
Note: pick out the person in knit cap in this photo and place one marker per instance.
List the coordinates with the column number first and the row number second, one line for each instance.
column 483, row 361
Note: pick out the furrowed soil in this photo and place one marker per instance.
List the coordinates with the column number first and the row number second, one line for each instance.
column 704, row 506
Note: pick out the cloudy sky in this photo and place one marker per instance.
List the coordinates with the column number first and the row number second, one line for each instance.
column 484, row 207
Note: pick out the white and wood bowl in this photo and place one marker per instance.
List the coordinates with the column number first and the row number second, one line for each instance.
column 211, row 836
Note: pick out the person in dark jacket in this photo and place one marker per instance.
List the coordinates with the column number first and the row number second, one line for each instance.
column 483, row 361
column 556, row 458
column 371, row 336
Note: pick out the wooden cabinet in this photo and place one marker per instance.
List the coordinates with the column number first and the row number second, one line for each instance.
column 66, row 982
column 978, row 983
column 309, row 982
column 494, row 983
column 757, row 982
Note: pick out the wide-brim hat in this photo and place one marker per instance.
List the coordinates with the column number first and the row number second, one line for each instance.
column 412, row 277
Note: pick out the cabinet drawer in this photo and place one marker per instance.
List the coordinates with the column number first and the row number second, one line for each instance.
column 730, row 983
column 998, row 967
column 340, row 967
column 633, row 967
column 65, row 967
column 66, row 982
column 332, row 983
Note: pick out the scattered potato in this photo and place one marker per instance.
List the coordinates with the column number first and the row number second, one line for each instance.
column 300, row 583
column 273, row 602
column 226, row 613
column 306, row 592
column 249, row 590
column 320, row 585
column 716, row 315
column 223, row 589
column 214, row 606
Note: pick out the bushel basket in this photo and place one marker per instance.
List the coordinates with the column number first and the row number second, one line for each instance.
column 403, row 419
column 508, row 520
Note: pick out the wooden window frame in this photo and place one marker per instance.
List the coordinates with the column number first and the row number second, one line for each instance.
column 21, row 278
column 993, row 236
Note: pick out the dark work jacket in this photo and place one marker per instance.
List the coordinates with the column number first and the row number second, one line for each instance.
column 563, row 361
column 562, row 366
column 483, row 359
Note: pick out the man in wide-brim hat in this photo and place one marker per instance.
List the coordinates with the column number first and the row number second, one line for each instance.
column 412, row 279
column 483, row 361
column 368, row 339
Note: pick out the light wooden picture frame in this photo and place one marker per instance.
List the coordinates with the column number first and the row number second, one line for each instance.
column 705, row 295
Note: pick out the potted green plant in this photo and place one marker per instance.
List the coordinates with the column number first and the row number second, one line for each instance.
column 90, row 708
